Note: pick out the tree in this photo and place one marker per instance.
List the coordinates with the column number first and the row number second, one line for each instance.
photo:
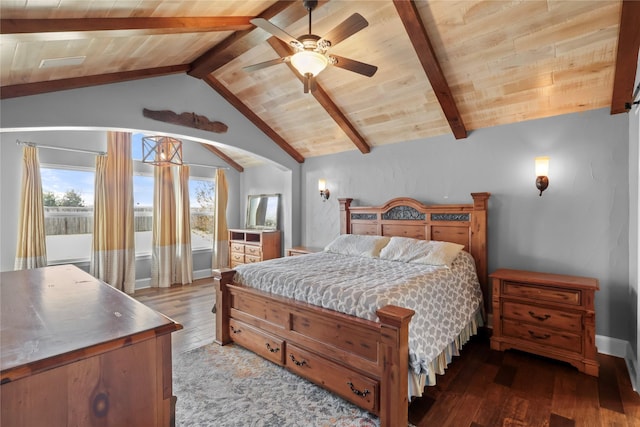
column 205, row 194
column 72, row 199
column 50, row 199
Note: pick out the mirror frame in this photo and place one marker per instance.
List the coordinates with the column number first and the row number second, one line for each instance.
column 252, row 202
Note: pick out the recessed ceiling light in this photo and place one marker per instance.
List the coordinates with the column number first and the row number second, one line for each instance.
column 62, row 62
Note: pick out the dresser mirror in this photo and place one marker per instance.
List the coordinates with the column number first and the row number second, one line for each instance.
column 263, row 211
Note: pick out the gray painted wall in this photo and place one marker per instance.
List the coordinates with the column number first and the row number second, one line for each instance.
column 579, row 226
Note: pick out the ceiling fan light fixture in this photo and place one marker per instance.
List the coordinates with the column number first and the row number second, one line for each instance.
column 309, row 62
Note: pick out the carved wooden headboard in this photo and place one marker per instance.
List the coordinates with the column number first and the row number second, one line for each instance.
column 465, row 224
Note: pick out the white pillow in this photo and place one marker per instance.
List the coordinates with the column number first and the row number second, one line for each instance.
column 431, row 252
column 358, row 245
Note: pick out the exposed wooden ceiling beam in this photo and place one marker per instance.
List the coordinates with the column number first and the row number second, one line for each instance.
column 281, row 13
column 412, row 22
column 180, row 24
column 223, row 156
column 14, row 91
column 253, row 117
column 627, row 58
column 325, row 101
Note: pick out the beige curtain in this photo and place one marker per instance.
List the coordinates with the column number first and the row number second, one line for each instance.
column 171, row 261
column 184, row 260
column 220, row 231
column 31, row 249
column 113, row 255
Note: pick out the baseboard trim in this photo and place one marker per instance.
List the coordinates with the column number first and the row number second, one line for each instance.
column 146, row 282
column 619, row 348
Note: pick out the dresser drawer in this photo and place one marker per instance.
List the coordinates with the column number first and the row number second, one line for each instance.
column 542, row 293
column 542, row 316
column 248, row 259
column 253, row 250
column 267, row 346
column 359, row 389
column 542, row 336
column 237, row 247
column 236, row 257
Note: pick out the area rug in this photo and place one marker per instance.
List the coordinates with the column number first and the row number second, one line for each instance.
column 231, row 387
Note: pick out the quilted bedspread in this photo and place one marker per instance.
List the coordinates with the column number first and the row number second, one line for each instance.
column 444, row 299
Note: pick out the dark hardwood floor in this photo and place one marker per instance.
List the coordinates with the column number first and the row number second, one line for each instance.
column 482, row 387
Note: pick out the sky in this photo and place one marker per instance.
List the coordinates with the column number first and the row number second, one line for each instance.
column 59, row 181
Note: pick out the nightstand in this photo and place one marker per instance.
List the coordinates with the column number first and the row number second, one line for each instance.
column 551, row 315
column 301, row 250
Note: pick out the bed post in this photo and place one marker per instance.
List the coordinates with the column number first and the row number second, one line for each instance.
column 345, row 217
column 394, row 387
column 478, row 242
column 221, row 278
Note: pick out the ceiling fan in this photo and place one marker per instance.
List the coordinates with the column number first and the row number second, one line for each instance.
column 311, row 54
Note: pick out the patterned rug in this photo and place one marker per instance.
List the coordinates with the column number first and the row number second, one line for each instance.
column 232, row 387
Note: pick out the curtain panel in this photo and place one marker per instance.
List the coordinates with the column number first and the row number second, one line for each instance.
column 171, row 260
column 220, row 230
column 113, row 249
column 31, row 249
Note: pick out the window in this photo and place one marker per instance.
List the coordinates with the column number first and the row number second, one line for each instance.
column 68, row 213
column 201, row 199
column 143, row 212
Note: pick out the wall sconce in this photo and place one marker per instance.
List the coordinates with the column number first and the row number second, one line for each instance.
column 324, row 191
column 542, row 173
column 161, row 150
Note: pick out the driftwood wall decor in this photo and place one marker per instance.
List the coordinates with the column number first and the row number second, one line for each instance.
column 191, row 120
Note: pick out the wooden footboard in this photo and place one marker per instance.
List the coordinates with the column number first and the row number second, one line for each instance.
column 362, row 361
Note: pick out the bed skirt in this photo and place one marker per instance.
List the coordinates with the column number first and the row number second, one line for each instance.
column 417, row 382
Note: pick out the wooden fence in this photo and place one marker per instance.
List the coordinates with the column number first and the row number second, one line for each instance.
column 60, row 220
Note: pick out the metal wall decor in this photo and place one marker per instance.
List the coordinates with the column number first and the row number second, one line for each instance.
column 403, row 213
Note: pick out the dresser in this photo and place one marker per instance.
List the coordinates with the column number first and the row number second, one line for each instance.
column 551, row 315
column 247, row 246
column 78, row 352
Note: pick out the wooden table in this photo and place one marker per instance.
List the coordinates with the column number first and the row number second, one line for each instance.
column 75, row 351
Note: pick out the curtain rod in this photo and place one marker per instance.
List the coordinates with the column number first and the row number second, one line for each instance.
column 206, row 166
column 53, row 147
column 99, row 153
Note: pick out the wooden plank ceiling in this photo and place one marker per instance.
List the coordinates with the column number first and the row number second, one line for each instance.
column 444, row 67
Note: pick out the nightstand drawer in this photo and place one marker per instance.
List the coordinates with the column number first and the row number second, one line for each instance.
column 542, row 293
column 542, row 316
column 548, row 337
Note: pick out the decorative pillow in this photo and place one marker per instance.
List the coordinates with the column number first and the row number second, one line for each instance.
column 429, row 252
column 357, row 245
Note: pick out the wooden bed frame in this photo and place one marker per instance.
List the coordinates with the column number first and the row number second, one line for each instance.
column 364, row 362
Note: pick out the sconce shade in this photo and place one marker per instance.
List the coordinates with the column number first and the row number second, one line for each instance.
column 542, row 172
column 161, row 151
column 324, row 191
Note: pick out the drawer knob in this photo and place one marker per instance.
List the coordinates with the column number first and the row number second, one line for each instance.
column 297, row 362
column 539, row 337
column 234, row 330
column 540, row 318
column 356, row 391
column 272, row 349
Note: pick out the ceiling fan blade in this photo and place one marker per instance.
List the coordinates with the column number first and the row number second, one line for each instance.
column 347, row 28
column 353, row 65
column 266, row 64
column 276, row 31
